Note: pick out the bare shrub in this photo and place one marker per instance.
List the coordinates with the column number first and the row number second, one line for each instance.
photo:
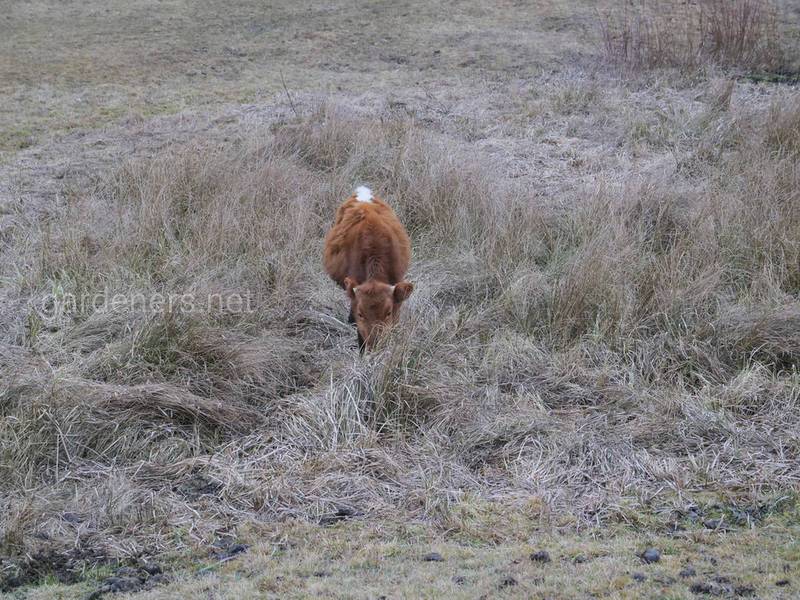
column 687, row 35
column 783, row 127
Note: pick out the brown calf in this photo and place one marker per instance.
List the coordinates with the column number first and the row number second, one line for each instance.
column 367, row 252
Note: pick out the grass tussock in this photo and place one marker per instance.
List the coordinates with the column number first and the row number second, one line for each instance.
column 688, row 35
column 606, row 358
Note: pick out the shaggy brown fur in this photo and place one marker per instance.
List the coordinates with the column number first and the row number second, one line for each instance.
column 367, row 252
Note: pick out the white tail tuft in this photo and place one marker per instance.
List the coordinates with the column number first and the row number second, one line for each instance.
column 363, row 194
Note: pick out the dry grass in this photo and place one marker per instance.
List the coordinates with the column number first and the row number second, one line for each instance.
column 610, row 360
column 604, row 329
column 688, row 35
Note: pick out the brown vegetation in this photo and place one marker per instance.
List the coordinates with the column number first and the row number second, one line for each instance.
column 645, row 337
column 670, row 33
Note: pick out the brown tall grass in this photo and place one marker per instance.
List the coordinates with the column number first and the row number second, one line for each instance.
column 688, row 35
column 615, row 356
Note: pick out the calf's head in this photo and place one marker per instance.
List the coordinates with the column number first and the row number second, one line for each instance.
column 375, row 306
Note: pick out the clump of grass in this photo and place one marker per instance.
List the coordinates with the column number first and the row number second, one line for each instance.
column 666, row 33
column 783, row 128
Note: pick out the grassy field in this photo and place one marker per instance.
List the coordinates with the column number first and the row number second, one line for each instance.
column 600, row 356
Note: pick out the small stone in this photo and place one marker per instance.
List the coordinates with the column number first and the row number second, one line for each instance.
column 702, row 587
column 342, row 513
column 347, row 511
column 541, row 556
column 508, row 582
column 71, row 517
column 231, row 551
column 433, row 557
column 651, row 555
column 151, row 569
column 782, row 582
column 713, row 524
column 688, row 571
column 237, row 549
column 640, row 577
column 694, row 513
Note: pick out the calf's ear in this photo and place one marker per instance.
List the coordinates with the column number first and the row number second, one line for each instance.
column 402, row 291
column 350, row 287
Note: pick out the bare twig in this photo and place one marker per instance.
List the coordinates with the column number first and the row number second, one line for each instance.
column 289, row 96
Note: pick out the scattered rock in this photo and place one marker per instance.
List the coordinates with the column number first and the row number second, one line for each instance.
column 702, row 587
column 640, row 577
column 342, row 513
column 651, row 555
column 71, row 517
column 580, row 559
column 541, row 556
column 688, row 571
column 151, row 568
column 508, row 582
column 782, row 582
column 232, row 551
column 433, row 557
column 694, row 512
